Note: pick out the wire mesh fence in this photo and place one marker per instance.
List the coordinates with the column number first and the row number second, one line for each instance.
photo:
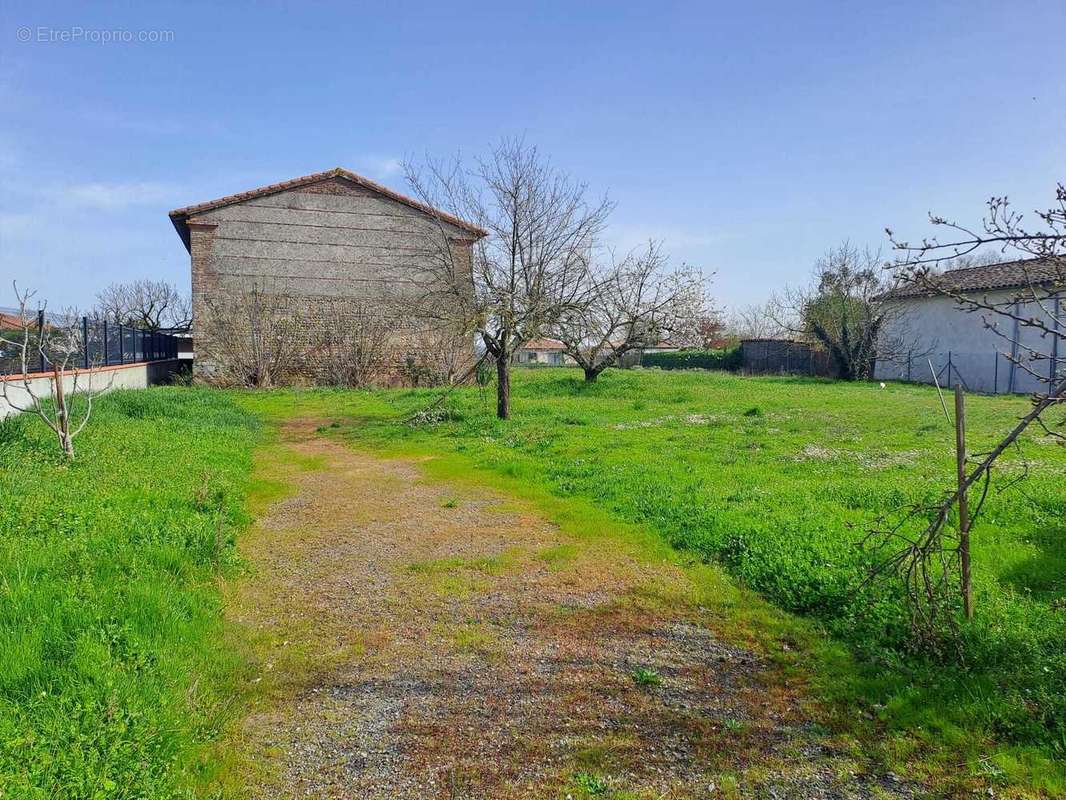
column 987, row 372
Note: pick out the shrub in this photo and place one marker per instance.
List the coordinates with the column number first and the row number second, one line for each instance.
column 725, row 359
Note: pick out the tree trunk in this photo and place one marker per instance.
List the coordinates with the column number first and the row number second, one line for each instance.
column 62, row 413
column 503, row 386
column 591, row 374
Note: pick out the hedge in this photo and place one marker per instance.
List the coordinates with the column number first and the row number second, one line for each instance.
column 726, row 358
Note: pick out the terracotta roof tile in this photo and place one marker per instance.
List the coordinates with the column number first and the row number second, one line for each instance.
column 180, row 216
column 543, row 344
column 1006, row 275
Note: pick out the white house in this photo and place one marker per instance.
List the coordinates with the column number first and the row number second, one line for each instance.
column 543, row 352
column 960, row 345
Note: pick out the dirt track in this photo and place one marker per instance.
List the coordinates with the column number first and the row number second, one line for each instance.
column 423, row 641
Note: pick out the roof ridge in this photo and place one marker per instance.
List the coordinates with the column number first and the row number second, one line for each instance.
column 179, row 216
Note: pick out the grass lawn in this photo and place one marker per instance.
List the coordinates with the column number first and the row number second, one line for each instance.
column 112, row 670
column 777, row 479
column 115, row 672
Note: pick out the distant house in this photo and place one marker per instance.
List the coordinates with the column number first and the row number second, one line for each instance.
column 544, row 352
column 317, row 244
column 959, row 346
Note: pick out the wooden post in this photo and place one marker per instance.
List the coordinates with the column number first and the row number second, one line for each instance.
column 40, row 337
column 85, row 340
column 964, row 508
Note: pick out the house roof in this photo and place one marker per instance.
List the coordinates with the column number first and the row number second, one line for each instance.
column 543, row 344
column 1005, row 275
column 180, row 216
column 10, row 321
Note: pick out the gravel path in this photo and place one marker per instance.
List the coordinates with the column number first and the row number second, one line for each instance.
column 423, row 641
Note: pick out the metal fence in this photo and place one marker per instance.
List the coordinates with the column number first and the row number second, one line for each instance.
column 84, row 343
column 987, row 372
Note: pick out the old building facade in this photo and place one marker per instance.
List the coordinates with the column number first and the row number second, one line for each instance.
column 323, row 247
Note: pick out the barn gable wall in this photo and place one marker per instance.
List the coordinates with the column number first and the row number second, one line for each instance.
column 315, row 247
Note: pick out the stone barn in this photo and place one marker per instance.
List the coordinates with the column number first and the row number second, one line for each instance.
column 312, row 255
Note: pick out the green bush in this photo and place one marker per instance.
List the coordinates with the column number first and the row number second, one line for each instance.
column 725, row 359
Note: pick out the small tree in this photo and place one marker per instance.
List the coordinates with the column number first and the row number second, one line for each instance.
column 528, row 270
column 636, row 303
column 846, row 311
column 923, row 550
column 58, row 344
column 145, row 304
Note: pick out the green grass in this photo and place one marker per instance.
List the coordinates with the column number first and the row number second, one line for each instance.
column 642, row 676
column 777, row 479
column 112, row 673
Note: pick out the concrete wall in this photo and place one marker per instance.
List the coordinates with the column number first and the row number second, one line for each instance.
column 129, row 376
column 976, row 353
column 314, row 245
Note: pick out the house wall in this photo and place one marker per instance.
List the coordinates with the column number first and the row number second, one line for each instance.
column 316, row 247
column 936, row 330
column 551, row 358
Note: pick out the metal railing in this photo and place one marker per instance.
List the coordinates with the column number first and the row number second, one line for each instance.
column 86, row 343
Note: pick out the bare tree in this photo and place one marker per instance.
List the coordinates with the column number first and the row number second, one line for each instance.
column 635, row 303
column 846, row 310
column 66, row 411
column 923, row 548
column 250, row 338
column 756, row 321
column 531, row 266
column 152, row 305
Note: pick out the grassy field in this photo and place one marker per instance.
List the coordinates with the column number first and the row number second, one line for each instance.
column 778, row 479
column 116, row 676
column 112, row 670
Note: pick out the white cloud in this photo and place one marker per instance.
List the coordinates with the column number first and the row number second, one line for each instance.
column 381, row 167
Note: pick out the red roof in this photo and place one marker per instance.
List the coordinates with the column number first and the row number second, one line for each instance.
column 10, row 321
column 180, row 216
column 543, row 344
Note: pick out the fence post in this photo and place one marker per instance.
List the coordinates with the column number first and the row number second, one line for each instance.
column 85, row 340
column 106, row 354
column 995, row 373
column 40, row 337
column 949, row 369
column 1054, row 375
column 964, row 507
column 121, row 345
column 910, row 357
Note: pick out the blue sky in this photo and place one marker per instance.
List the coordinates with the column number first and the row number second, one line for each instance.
column 748, row 136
